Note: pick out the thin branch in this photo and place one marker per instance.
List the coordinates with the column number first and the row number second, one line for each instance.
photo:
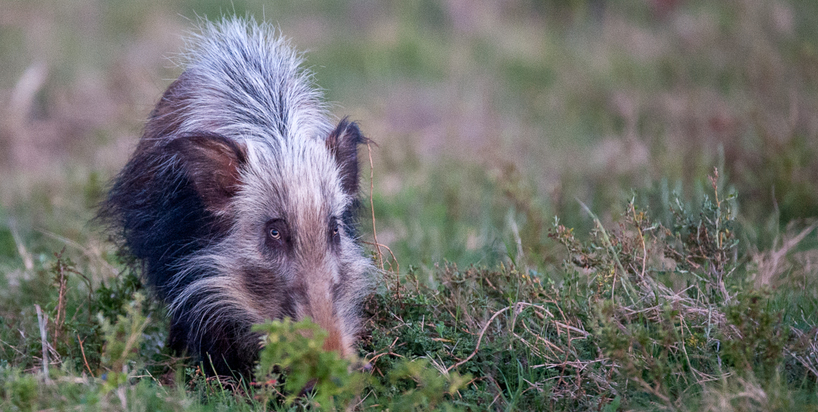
column 372, row 202
column 516, row 307
column 82, row 349
column 480, row 338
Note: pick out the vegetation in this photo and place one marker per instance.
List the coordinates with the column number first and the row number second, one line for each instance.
column 590, row 206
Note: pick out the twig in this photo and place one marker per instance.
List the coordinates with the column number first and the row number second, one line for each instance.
column 19, row 352
column 387, row 352
column 82, row 349
column 516, row 306
column 394, row 258
column 480, row 338
column 571, row 328
column 551, row 346
column 642, row 239
column 577, row 364
column 372, row 202
column 714, row 181
column 59, row 320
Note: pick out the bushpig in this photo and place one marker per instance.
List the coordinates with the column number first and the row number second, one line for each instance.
column 240, row 199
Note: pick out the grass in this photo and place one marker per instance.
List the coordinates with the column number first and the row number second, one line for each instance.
column 592, row 206
column 641, row 315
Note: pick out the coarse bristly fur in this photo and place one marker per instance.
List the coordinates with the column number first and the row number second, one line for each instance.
column 240, row 200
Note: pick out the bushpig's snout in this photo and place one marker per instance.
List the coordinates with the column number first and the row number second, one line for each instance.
column 322, row 310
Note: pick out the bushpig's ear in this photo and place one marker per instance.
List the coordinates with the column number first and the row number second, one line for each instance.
column 213, row 164
column 343, row 143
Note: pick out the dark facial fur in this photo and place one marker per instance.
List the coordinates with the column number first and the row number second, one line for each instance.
column 240, row 200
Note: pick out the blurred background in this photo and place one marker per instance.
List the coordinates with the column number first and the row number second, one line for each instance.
column 490, row 117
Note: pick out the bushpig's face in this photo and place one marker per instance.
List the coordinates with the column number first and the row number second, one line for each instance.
column 290, row 251
column 289, row 214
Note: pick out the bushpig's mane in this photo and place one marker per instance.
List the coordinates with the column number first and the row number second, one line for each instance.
column 247, row 82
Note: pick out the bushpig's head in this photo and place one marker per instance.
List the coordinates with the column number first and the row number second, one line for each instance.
column 288, row 210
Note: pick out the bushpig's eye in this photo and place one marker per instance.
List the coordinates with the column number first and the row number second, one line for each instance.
column 335, row 231
column 276, row 232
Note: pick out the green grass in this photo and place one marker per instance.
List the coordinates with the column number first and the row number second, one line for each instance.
column 643, row 314
column 544, row 176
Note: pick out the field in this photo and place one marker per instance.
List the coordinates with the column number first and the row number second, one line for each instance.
column 577, row 205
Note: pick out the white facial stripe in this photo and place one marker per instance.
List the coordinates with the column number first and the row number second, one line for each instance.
column 304, row 180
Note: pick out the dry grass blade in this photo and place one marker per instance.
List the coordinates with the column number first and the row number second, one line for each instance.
column 41, row 321
column 772, row 264
column 622, row 273
column 28, row 260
